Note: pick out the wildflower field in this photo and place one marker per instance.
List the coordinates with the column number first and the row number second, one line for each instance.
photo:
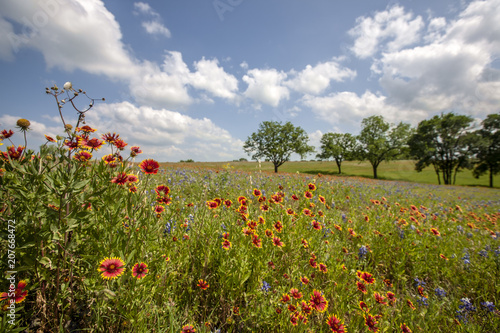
column 108, row 245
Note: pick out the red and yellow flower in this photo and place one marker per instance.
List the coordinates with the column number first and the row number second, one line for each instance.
column 318, row 302
column 140, row 270
column 111, row 268
column 335, row 324
column 149, row 166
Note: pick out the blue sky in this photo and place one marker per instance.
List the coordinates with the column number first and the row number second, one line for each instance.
column 193, row 79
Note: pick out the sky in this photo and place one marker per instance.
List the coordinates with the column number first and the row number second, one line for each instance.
column 193, row 79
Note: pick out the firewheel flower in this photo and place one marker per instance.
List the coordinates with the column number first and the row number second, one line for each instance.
column 318, row 302
column 140, row 270
column 111, row 268
column 295, row 293
column 19, row 294
column 149, row 166
column 366, row 277
column 226, row 244
column 404, row 328
column 203, row 284
column 120, row 179
column 335, row 324
column 371, row 322
column 277, row 242
column 188, row 329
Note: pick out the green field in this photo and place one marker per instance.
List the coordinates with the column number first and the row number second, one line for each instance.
column 394, row 170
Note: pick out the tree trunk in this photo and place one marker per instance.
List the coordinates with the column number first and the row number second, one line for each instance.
column 276, row 168
column 437, row 172
column 338, row 166
column 491, row 176
column 446, row 176
column 374, row 171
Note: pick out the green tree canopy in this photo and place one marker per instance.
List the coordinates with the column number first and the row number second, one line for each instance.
column 487, row 147
column 379, row 141
column 443, row 142
column 276, row 142
column 338, row 146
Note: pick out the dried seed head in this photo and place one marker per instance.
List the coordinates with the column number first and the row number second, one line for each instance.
column 23, row 124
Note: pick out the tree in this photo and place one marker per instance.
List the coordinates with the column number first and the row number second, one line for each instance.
column 338, row 146
column 382, row 142
column 443, row 142
column 487, row 147
column 276, row 142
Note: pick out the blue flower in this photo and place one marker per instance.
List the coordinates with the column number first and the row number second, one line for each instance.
column 362, row 252
column 466, row 258
column 422, row 301
column 440, row 292
column 483, row 253
column 466, row 305
column 488, row 306
column 402, row 234
column 419, row 282
column 265, row 286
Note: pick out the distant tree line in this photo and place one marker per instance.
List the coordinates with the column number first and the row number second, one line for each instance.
column 447, row 142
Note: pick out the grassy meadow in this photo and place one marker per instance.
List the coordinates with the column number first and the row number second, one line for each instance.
column 393, row 170
column 114, row 245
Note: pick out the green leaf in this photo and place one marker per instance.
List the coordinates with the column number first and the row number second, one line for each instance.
column 46, row 262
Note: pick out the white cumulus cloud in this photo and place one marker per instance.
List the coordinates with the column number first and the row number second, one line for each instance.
column 166, row 135
column 393, row 27
column 314, row 80
column 348, row 108
column 266, row 86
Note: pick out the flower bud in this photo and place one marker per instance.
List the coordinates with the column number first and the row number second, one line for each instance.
column 68, row 86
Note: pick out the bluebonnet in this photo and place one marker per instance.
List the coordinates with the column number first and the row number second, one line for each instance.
column 466, row 257
column 488, row 306
column 419, row 282
column 402, row 234
column 440, row 292
column 362, row 252
column 460, row 229
column 265, row 286
column 168, row 228
column 422, row 301
column 464, row 309
column 483, row 253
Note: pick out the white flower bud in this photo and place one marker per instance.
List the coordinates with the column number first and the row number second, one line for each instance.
column 68, row 86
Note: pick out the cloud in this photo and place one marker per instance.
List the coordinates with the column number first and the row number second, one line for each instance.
column 393, row 26
column 70, row 35
column 314, row 80
column 85, row 36
column 156, row 28
column 315, row 140
column 265, row 86
column 212, row 78
column 162, row 86
column 347, row 108
column 455, row 70
column 144, row 8
column 167, row 85
column 6, row 51
column 166, row 135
